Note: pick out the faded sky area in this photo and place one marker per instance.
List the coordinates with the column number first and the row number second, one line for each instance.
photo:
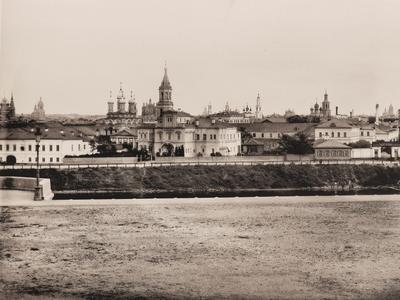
column 72, row 52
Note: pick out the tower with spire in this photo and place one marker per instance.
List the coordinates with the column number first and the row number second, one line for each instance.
column 165, row 95
column 132, row 105
column 7, row 110
column 258, row 107
column 121, row 100
column 326, row 110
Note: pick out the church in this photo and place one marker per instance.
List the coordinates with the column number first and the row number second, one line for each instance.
column 177, row 133
column 123, row 116
column 7, row 110
column 322, row 111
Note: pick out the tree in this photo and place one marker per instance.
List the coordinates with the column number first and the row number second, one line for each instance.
column 297, row 144
column 360, row 144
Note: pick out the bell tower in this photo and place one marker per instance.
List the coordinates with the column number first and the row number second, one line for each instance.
column 165, row 95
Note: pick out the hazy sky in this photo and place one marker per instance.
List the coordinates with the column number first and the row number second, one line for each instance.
column 72, row 52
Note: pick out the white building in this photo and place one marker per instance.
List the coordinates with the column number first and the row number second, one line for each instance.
column 177, row 133
column 19, row 145
column 344, row 131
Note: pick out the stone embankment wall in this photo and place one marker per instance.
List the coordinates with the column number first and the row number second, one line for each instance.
column 26, row 184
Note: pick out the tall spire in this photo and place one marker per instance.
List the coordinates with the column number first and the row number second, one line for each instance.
column 165, row 84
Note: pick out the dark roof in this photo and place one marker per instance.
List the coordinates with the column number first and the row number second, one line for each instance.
column 274, row 119
column 330, row 144
column 337, row 123
column 47, row 134
column 279, row 127
column 124, row 132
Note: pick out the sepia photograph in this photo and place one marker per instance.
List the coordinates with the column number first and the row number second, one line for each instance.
column 199, row 149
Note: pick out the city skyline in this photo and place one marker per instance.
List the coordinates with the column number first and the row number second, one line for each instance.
column 72, row 53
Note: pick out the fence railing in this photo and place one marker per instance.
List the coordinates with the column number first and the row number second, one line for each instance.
column 203, row 163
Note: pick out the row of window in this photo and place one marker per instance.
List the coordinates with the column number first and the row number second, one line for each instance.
column 333, row 153
column 22, row 148
column 51, row 159
column 333, row 134
column 264, row 135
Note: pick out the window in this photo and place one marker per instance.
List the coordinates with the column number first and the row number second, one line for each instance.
column 58, row 148
column 333, row 134
column 14, row 147
column 362, row 133
column 58, row 159
column 262, row 135
column 204, row 137
column 43, row 148
column 7, row 147
column 254, row 135
column 72, row 147
column 211, row 136
column 338, row 134
column 22, row 148
column 197, row 136
column 30, row 148
column 1, row 147
column 79, row 147
column 51, row 159
column 30, row 159
column 84, row 145
column 270, row 135
column 43, row 159
column 215, row 136
column 160, row 135
column 178, row 135
column 345, row 134
column 51, row 148
column 320, row 134
column 367, row 133
column 169, row 135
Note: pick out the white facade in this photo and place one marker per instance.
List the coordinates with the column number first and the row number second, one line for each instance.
column 51, row 150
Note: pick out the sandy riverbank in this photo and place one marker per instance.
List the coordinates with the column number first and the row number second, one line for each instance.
column 175, row 248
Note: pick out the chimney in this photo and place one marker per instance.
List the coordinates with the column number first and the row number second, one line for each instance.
column 376, row 114
column 337, row 110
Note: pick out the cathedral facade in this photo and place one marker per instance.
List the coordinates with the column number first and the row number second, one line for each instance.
column 122, row 115
column 38, row 113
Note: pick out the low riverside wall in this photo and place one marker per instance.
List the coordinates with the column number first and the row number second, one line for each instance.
column 26, row 184
column 272, row 158
column 99, row 160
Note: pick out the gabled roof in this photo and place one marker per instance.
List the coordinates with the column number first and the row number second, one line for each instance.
column 124, row 132
column 274, row 119
column 330, row 144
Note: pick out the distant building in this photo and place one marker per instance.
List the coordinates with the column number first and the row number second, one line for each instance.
column 38, row 113
column 122, row 116
column 323, row 110
column 7, row 110
column 346, row 131
column 149, row 112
